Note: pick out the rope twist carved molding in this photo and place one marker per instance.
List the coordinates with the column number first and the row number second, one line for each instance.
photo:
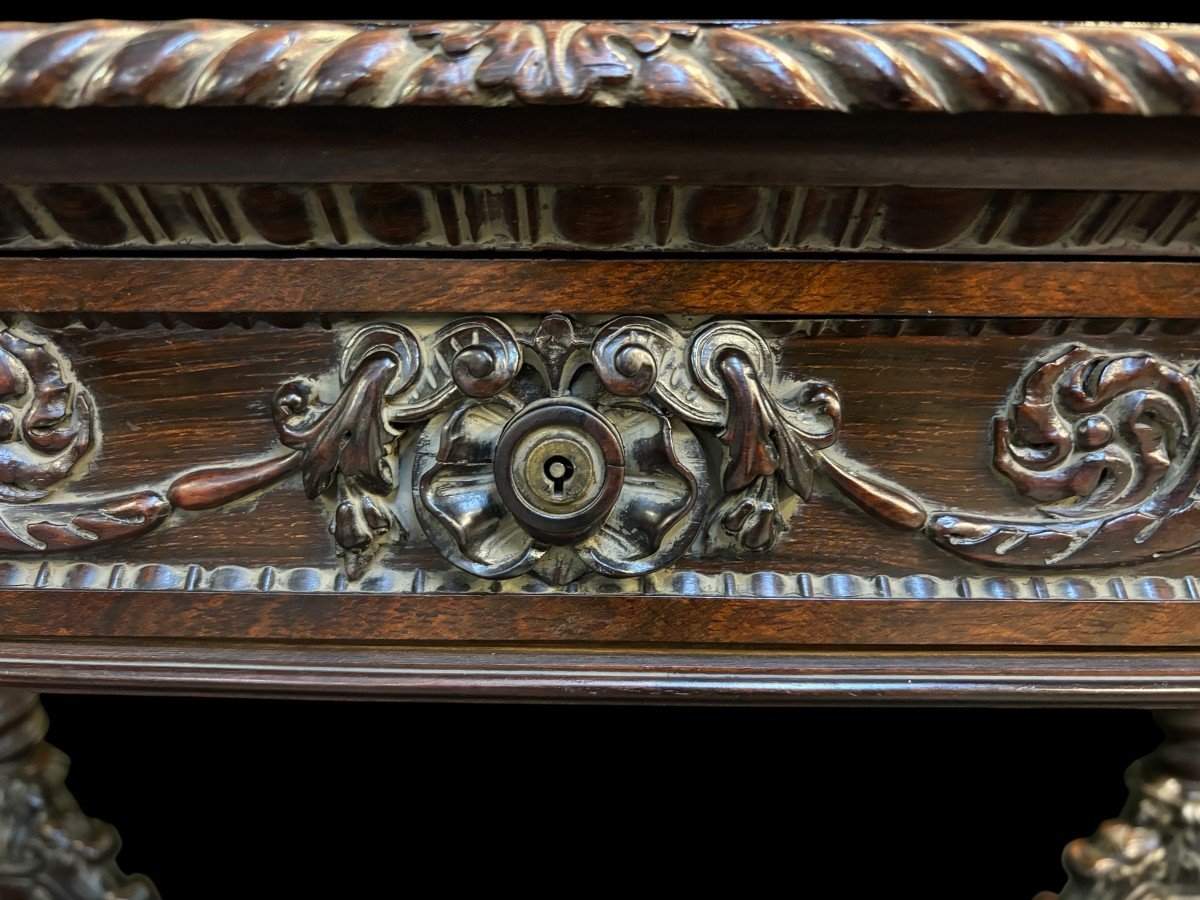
column 903, row 66
column 554, row 449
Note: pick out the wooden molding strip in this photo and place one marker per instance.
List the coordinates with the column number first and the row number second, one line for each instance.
column 506, row 673
column 600, row 619
column 1083, row 289
column 416, row 217
column 900, row 66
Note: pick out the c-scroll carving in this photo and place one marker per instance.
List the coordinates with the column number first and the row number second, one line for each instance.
column 390, row 379
column 1106, row 445
column 564, row 448
column 47, row 429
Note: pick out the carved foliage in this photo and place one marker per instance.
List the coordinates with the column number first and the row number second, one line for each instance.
column 1106, row 445
column 47, row 427
column 561, row 452
column 725, row 379
column 562, row 448
column 563, row 62
column 48, row 847
column 905, row 66
column 1153, row 851
column 387, row 380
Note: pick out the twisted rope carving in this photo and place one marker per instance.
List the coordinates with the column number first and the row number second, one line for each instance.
column 987, row 66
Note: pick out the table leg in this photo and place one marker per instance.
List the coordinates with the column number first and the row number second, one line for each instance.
column 1152, row 852
column 48, row 847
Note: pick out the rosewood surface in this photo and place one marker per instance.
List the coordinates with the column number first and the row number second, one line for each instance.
column 924, row 294
column 780, row 362
column 1016, row 67
column 264, row 567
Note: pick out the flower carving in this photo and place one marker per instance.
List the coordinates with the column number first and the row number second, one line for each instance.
column 562, row 449
column 536, row 479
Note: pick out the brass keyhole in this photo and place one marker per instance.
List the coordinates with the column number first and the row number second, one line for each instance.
column 559, row 470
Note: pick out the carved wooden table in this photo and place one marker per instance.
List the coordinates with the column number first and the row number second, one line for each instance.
column 792, row 363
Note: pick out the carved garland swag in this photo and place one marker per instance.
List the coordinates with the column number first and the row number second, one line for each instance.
column 574, row 449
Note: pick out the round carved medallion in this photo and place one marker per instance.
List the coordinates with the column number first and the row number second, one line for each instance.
column 559, row 468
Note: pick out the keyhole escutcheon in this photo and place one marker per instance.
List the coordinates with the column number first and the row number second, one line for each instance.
column 559, row 470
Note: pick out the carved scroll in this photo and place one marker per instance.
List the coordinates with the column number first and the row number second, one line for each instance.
column 1106, row 446
column 47, row 428
column 560, row 449
column 562, row 453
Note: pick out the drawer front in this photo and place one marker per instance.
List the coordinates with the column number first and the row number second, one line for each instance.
column 567, row 458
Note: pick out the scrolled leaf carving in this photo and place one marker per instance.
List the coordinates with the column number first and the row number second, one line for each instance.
column 636, row 356
column 389, row 378
column 558, row 61
column 725, row 379
column 47, row 428
column 565, row 448
column 772, row 431
column 561, row 448
column 1094, row 431
column 1106, row 445
column 46, row 420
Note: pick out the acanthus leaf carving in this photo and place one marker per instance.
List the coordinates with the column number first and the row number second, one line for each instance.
column 725, row 379
column 47, row 428
column 1106, row 445
column 389, row 379
column 564, row 448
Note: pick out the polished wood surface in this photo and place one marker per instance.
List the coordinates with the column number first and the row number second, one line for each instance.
column 1011, row 296
column 795, row 362
column 183, row 395
column 597, row 147
column 234, row 251
column 922, row 67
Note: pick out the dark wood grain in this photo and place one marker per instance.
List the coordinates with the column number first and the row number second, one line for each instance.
column 1093, row 290
column 585, row 147
column 185, row 400
column 592, row 674
column 599, row 619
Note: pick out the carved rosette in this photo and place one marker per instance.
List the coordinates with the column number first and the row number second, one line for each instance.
column 561, row 484
column 1105, row 444
column 564, row 448
column 47, row 430
column 559, row 451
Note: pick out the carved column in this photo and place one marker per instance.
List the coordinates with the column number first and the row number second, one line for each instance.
column 1153, row 851
column 48, row 848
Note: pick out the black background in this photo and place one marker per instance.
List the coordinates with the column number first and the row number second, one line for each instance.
column 239, row 798
column 229, row 798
